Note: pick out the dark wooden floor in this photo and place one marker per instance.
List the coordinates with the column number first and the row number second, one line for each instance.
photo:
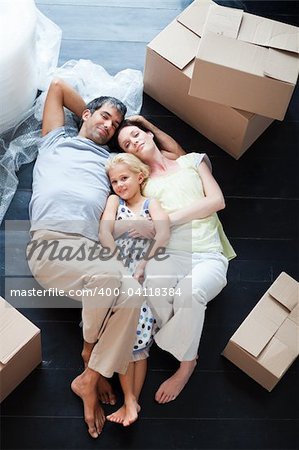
column 221, row 408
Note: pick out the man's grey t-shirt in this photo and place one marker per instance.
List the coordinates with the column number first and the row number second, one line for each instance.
column 70, row 185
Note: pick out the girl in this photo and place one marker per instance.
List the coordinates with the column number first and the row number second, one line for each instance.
column 191, row 196
column 127, row 176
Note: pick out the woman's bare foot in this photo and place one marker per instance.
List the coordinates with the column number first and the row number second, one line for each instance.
column 127, row 414
column 85, row 386
column 171, row 388
column 105, row 392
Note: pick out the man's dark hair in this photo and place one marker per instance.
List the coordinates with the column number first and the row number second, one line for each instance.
column 125, row 123
column 98, row 102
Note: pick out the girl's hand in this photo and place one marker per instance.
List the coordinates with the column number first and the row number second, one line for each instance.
column 139, row 272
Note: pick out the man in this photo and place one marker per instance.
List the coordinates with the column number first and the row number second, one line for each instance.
column 70, row 189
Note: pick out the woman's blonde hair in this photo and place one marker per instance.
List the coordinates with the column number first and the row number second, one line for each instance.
column 134, row 164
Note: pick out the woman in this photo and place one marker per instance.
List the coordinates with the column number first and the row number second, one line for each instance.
column 198, row 250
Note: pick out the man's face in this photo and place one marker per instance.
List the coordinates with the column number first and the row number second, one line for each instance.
column 102, row 124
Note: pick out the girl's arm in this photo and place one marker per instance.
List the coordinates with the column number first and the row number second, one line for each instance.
column 169, row 146
column 161, row 224
column 107, row 223
column 204, row 207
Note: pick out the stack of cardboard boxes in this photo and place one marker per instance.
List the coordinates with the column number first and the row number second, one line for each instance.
column 225, row 72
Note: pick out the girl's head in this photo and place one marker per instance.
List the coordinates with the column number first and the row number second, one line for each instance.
column 132, row 138
column 127, row 175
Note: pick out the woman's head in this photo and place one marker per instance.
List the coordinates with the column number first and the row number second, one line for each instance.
column 132, row 138
column 127, row 174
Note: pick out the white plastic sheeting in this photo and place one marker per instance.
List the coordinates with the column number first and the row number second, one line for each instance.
column 19, row 145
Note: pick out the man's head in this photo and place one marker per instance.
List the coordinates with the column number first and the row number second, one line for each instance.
column 101, row 118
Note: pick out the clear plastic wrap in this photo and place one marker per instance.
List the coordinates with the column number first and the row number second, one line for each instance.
column 19, row 145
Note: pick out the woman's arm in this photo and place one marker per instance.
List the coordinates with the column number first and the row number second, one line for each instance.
column 169, row 147
column 161, row 223
column 107, row 223
column 204, row 207
column 141, row 227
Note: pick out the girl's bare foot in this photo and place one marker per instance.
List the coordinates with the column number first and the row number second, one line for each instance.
column 85, row 386
column 132, row 410
column 171, row 388
column 127, row 414
column 118, row 416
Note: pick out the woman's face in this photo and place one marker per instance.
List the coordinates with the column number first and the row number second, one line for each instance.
column 133, row 140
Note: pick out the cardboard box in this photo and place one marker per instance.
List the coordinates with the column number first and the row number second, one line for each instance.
column 267, row 342
column 243, row 61
column 168, row 72
column 20, row 348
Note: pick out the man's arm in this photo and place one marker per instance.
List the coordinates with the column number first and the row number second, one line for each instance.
column 168, row 146
column 60, row 94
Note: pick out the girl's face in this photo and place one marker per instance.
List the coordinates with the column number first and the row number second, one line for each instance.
column 125, row 183
column 136, row 141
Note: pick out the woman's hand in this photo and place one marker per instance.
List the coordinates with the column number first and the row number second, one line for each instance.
column 137, row 227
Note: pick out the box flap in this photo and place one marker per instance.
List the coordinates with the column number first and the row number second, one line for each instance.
column 269, row 33
column 223, row 21
column 15, row 331
column 195, row 15
column 249, row 58
column 253, row 29
column 282, row 66
column 281, row 350
column 260, row 325
column 228, row 52
column 285, row 290
column 176, row 44
column 294, row 316
column 254, row 337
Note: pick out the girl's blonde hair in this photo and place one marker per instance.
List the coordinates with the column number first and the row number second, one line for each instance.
column 134, row 164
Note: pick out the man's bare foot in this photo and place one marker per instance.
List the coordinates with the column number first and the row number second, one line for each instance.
column 127, row 414
column 171, row 388
column 105, row 392
column 85, row 386
column 86, row 352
